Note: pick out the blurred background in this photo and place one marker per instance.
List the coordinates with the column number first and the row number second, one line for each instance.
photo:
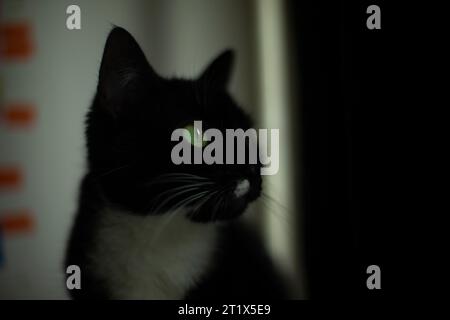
column 301, row 67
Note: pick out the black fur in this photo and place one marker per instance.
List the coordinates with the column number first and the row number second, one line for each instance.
column 128, row 141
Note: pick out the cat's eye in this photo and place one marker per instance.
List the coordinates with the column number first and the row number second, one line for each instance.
column 194, row 136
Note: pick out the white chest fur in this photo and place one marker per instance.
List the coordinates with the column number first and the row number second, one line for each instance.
column 151, row 257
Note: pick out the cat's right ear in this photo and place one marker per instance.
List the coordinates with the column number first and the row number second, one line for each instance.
column 122, row 71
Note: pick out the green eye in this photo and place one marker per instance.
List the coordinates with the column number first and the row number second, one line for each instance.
column 194, row 136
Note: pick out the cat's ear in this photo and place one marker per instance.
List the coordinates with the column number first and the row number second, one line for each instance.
column 122, row 69
column 217, row 74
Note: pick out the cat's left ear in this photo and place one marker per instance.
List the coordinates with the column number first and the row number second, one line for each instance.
column 217, row 74
column 123, row 69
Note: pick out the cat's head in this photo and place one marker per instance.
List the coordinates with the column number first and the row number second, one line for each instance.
column 129, row 130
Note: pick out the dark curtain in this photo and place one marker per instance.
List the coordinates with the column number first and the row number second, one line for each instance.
column 344, row 101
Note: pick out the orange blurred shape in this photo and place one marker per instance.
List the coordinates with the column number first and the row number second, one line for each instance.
column 16, row 221
column 15, row 40
column 10, row 177
column 19, row 114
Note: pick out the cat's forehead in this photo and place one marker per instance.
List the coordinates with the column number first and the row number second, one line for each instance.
column 189, row 96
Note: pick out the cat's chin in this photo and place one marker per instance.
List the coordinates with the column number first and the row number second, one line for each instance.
column 233, row 210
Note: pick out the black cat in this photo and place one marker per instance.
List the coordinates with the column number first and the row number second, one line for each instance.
column 147, row 228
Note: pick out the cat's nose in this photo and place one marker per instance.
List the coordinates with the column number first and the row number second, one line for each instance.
column 242, row 188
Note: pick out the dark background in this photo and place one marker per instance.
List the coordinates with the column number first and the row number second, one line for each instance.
column 346, row 104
